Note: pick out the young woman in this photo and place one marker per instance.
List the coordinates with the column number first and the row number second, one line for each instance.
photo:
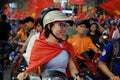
column 94, row 33
column 50, row 54
column 21, row 34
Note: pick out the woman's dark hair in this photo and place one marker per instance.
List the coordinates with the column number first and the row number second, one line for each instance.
column 97, row 27
column 38, row 21
column 47, row 30
column 95, row 24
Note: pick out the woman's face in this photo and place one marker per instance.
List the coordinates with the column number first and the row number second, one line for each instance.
column 93, row 27
column 38, row 27
column 81, row 29
column 59, row 29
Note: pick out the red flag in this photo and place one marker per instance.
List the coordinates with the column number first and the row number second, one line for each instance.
column 32, row 7
column 41, row 5
column 78, row 2
column 17, row 14
column 36, row 6
column 23, row 14
column 112, row 6
column 93, row 11
column 81, row 16
column 57, row 5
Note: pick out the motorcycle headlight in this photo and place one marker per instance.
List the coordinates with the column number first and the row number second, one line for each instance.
column 105, row 37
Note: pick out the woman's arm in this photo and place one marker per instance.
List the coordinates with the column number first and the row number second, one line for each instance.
column 107, row 72
column 22, row 76
column 73, row 69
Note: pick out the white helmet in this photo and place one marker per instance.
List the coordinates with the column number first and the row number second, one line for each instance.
column 53, row 15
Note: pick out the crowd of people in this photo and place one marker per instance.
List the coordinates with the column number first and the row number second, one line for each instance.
column 56, row 47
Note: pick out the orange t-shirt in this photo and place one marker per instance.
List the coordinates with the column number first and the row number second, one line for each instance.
column 23, row 36
column 81, row 44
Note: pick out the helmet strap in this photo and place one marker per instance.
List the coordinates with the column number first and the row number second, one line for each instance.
column 53, row 34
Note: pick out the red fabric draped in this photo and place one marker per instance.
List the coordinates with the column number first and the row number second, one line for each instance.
column 42, row 52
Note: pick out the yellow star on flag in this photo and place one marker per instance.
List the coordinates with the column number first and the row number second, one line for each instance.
column 117, row 12
column 33, row 14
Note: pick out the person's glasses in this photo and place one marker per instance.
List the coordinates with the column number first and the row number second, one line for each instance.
column 62, row 25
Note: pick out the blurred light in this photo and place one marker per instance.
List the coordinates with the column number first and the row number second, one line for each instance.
column 13, row 5
column 67, row 11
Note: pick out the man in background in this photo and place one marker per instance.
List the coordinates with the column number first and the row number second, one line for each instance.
column 5, row 30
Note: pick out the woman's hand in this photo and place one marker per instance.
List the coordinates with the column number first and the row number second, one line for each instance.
column 22, row 76
column 114, row 78
column 78, row 78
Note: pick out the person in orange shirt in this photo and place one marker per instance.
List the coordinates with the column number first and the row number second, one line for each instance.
column 80, row 41
column 21, row 34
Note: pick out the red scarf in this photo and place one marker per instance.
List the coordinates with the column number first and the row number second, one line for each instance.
column 43, row 52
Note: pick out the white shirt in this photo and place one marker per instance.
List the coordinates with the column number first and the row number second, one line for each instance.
column 29, row 47
column 116, row 34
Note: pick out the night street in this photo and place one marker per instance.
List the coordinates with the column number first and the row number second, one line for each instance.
column 7, row 73
column 60, row 39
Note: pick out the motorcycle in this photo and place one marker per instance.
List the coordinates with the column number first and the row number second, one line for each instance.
column 20, row 65
column 14, row 50
column 88, row 65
